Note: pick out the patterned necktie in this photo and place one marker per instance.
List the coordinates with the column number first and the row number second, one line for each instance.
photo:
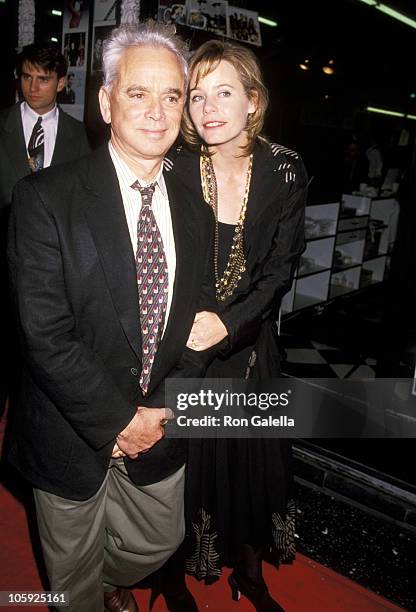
column 152, row 282
column 35, row 147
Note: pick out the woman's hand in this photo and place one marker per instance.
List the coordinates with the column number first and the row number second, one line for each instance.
column 207, row 330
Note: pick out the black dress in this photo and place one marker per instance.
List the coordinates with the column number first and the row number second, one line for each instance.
column 238, row 491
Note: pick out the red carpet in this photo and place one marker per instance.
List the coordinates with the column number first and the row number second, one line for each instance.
column 305, row 585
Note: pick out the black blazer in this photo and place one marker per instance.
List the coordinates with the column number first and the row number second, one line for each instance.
column 274, row 239
column 71, row 143
column 74, row 281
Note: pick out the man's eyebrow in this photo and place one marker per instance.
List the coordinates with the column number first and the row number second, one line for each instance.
column 137, row 88
column 174, row 90
column 39, row 76
column 169, row 90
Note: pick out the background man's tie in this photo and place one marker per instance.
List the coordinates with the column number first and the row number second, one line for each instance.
column 152, row 282
column 35, row 147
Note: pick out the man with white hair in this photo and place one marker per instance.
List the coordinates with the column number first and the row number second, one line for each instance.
column 110, row 260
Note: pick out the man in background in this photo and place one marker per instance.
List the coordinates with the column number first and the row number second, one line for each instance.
column 34, row 134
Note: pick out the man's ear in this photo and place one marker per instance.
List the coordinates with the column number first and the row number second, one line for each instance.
column 105, row 106
column 61, row 84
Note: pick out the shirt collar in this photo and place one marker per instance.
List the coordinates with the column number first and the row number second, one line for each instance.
column 132, row 178
column 46, row 118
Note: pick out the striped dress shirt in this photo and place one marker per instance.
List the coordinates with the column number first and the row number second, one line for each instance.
column 161, row 209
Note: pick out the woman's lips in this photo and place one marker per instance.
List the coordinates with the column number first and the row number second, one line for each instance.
column 213, row 124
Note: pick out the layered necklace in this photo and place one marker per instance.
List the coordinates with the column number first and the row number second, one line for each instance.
column 236, row 263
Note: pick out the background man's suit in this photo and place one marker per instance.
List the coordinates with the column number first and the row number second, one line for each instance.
column 71, row 143
column 78, row 307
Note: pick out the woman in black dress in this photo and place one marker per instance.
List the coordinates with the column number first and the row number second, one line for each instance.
column 239, row 499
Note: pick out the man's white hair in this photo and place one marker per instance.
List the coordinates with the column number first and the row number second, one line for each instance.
column 147, row 34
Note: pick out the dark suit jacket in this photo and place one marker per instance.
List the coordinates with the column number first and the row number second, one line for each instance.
column 71, row 143
column 74, row 280
column 274, row 238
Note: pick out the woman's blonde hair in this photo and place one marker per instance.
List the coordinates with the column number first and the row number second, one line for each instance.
column 205, row 59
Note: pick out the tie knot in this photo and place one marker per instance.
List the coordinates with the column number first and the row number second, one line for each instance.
column 145, row 192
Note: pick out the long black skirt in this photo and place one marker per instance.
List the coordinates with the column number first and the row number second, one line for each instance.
column 238, row 492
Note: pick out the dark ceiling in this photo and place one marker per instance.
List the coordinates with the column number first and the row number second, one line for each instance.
column 373, row 52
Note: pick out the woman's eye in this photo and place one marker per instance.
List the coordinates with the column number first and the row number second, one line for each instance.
column 224, row 94
column 196, row 98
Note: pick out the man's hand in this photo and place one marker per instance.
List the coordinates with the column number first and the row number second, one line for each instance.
column 207, row 330
column 143, row 431
column 117, row 452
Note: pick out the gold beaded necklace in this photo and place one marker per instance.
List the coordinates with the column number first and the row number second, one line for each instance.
column 236, row 263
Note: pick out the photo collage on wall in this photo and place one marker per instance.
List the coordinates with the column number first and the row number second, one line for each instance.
column 74, row 49
column 215, row 16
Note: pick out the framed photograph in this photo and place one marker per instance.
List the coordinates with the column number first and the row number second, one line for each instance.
column 74, row 90
column 209, row 15
column 100, row 34
column 76, row 15
column 172, row 12
column 243, row 25
column 74, row 49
